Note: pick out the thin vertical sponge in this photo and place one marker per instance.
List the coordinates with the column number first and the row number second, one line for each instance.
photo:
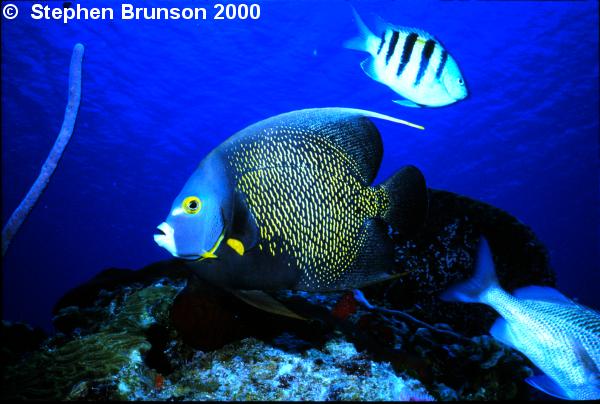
column 20, row 214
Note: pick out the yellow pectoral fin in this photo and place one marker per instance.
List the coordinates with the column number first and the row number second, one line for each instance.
column 236, row 245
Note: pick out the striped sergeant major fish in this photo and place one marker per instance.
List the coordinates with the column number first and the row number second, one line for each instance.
column 559, row 336
column 411, row 62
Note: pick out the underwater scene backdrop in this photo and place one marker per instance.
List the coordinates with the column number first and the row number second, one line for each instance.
column 159, row 95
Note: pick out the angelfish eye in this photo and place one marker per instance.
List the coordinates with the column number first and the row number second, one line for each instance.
column 191, row 205
column 461, row 82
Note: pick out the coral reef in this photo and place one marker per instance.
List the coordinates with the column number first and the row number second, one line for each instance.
column 114, row 344
column 443, row 253
column 132, row 350
column 155, row 334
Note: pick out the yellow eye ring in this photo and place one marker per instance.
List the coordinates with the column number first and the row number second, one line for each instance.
column 191, row 205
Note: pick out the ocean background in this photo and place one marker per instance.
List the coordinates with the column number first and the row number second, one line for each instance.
column 159, row 95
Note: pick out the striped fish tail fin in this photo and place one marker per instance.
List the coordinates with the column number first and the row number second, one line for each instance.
column 408, row 200
column 363, row 41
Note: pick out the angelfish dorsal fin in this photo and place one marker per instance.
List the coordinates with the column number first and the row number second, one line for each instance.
column 263, row 301
column 349, row 130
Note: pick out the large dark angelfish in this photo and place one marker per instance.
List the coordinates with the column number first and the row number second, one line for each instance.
column 287, row 203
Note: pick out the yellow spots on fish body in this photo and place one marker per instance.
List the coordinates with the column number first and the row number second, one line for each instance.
column 308, row 200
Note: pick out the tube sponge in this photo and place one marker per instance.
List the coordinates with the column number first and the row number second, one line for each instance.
column 20, row 214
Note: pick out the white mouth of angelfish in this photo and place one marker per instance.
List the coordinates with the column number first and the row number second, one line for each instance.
column 166, row 240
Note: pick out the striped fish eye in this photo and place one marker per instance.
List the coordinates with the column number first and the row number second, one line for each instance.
column 461, row 81
column 191, row 205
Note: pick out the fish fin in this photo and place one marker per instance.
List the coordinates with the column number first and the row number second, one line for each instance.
column 548, row 386
column 408, row 200
column 360, row 42
column 348, row 129
column 376, row 257
column 381, row 277
column 371, row 114
column 382, row 25
column 243, row 227
column 236, row 245
column 542, row 293
column 368, row 66
column 423, row 35
column 472, row 290
column 263, row 301
column 502, row 332
column 408, row 103
column 358, row 137
column 360, row 298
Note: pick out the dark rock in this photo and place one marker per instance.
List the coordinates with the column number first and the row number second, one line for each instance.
column 444, row 253
column 86, row 294
column 208, row 317
column 17, row 339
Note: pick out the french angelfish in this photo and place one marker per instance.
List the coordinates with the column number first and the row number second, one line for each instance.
column 561, row 337
column 411, row 62
column 287, row 203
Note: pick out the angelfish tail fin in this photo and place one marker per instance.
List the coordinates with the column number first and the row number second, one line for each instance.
column 474, row 289
column 408, row 198
column 360, row 42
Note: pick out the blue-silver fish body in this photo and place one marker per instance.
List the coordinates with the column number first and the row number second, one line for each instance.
column 561, row 337
column 287, row 203
column 412, row 63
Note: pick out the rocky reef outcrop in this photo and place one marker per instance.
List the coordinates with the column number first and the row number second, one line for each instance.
column 154, row 334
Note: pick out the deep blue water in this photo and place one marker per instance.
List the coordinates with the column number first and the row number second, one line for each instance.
column 158, row 95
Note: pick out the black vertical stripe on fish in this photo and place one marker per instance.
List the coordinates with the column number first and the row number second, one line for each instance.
column 425, row 56
column 382, row 43
column 440, row 68
column 407, row 51
column 393, row 42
